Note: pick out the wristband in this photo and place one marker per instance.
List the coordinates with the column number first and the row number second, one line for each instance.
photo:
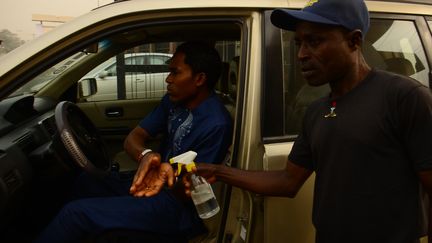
column 143, row 153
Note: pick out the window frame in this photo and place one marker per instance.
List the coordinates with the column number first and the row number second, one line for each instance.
column 122, row 68
column 272, row 115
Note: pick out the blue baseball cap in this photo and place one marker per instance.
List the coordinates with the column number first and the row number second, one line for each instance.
column 351, row 14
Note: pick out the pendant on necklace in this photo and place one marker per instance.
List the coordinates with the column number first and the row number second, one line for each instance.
column 332, row 111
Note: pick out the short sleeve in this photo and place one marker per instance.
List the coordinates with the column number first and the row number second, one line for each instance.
column 415, row 115
column 156, row 121
column 301, row 153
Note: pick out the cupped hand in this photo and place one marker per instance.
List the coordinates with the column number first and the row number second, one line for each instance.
column 151, row 176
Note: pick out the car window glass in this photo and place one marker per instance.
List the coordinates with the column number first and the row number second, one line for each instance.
column 141, row 79
column 144, row 72
column 392, row 45
column 111, row 70
column 134, row 60
column 157, row 60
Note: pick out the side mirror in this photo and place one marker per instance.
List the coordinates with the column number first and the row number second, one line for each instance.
column 87, row 87
column 103, row 74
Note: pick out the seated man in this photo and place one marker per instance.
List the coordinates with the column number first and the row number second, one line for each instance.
column 191, row 117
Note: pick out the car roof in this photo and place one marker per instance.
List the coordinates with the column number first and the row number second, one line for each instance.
column 125, row 8
column 151, row 8
column 406, row 1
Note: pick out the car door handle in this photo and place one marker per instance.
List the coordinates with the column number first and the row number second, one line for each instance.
column 114, row 112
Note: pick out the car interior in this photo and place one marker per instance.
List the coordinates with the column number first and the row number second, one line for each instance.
column 51, row 130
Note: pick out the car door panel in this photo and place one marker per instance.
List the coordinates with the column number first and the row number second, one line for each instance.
column 105, row 114
column 286, row 219
column 115, row 119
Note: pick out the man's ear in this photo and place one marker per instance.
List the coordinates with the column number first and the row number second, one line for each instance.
column 200, row 79
column 355, row 39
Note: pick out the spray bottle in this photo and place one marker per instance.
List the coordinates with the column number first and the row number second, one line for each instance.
column 202, row 192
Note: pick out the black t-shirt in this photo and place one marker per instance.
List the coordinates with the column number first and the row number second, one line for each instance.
column 366, row 158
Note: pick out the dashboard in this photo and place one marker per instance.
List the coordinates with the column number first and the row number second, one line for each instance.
column 31, row 157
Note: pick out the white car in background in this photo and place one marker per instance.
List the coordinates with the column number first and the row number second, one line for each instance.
column 145, row 77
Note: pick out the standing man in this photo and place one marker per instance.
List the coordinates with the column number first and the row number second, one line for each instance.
column 368, row 142
column 191, row 117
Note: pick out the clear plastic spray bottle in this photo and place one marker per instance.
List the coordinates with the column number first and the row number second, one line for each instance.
column 203, row 197
column 201, row 191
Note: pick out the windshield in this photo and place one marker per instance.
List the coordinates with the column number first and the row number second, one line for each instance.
column 49, row 75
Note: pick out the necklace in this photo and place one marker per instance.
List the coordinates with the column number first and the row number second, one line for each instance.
column 332, row 110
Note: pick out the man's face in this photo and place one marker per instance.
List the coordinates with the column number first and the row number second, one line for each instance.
column 182, row 85
column 323, row 53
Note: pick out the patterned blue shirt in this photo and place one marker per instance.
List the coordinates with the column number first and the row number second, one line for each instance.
column 207, row 129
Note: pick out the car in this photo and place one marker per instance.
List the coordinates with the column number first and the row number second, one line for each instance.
column 149, row 82
column 51, row 95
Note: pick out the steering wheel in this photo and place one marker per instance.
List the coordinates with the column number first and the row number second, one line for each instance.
column 81, row 139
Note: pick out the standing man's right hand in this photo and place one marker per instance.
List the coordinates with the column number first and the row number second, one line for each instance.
column 202, row 169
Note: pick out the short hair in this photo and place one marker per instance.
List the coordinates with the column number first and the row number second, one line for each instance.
column 202, row 57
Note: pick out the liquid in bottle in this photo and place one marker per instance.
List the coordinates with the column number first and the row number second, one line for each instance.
column 204, row 198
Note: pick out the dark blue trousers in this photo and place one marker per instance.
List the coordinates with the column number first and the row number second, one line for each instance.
column 104, row 204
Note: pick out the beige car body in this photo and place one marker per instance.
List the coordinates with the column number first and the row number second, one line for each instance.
column 248, row 217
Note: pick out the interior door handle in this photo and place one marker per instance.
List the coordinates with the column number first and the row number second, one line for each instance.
column 114, row 112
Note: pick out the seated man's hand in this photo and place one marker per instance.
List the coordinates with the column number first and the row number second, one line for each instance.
column 202, row 169
column 151, row 176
